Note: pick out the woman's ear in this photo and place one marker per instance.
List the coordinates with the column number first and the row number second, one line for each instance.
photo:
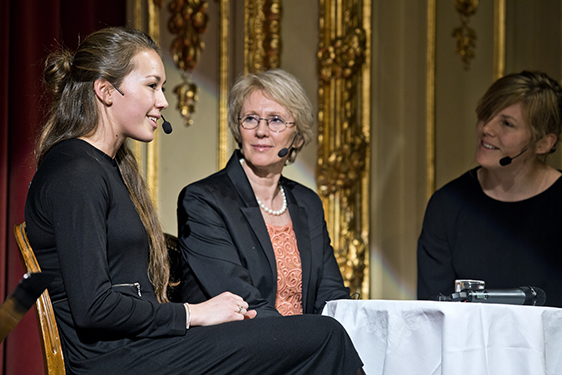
column 545, row 144
column 299, row 142
column 103, row 91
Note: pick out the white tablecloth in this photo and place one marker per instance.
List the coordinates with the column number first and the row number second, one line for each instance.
column 429, row 337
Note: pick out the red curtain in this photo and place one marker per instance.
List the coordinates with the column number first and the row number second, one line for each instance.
column 29, row 30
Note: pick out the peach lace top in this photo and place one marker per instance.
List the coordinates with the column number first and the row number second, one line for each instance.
column 289, row 269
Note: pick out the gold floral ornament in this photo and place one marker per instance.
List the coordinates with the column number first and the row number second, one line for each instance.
column 262, row 37
column 340, row 176
column 344, row 57
column 464, row 34
column 188, row 21
column 343, row 167
column 344, row 147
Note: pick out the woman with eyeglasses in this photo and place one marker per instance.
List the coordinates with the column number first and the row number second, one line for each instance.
column 249, row 230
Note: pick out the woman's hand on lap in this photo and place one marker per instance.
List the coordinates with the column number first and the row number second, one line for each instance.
column 226, row 307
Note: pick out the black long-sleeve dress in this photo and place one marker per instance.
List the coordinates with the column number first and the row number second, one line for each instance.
column 83, row 225
column 468, row 235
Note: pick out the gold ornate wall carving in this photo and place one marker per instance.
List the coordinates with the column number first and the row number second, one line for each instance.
column 464, row 34
column 344, row 134
column 222, row 157
column 499, row 39
column 262, row 41
column 189, row 19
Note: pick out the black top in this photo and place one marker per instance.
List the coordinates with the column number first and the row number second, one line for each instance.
column 82, row 224
column 468, row 235
column 224, row 239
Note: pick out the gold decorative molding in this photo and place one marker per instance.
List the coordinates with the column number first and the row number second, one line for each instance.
column 464, row 34
column 430, row 98
column 499, row 39
column 343, row 170
column 262, row 41
column 223, row 84
column 189, row 19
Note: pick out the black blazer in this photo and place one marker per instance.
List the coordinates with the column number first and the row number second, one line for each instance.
column 225, row 243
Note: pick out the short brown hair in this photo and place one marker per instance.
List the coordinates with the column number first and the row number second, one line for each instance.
column 540, row 97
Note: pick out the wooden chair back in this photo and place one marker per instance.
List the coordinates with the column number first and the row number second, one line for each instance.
column 174, row 257
column 50, row 339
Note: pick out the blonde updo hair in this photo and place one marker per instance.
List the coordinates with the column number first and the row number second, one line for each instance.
column 281, row 87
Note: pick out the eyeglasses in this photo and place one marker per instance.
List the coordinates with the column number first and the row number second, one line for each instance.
column 274, row 123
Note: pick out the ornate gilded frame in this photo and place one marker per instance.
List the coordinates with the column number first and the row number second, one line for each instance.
column 262, row 39
column 499, row 39
column 222, row 156
column 344, row 142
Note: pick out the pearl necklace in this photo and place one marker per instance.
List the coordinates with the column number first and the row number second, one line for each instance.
column 269, row 210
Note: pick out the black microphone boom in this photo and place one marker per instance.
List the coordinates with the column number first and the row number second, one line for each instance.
column 508, row 159
column 166, row 126
column 284, row 151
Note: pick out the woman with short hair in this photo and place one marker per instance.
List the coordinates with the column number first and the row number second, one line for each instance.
column 249, row 230
column 500, row 222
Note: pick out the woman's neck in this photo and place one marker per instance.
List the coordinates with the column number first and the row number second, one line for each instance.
column 264, row 185
column 266, row 189
column 104, row 141
column 511, row 185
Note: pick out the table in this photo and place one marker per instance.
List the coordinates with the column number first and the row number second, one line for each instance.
column 430, row 337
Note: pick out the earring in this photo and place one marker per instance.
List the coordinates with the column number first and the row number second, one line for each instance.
column 110, row 101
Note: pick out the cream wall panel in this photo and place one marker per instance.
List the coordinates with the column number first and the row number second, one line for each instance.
column 188, row 153
column 457, row 90
column 299, row 38
column 398, row 193
column 534, row 42
column 533, row 36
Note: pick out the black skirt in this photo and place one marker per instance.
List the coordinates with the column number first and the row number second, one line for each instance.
column 303, row 344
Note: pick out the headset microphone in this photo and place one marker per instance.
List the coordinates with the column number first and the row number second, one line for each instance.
column 166, row 126
column 284, row 151
column 508, row 159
